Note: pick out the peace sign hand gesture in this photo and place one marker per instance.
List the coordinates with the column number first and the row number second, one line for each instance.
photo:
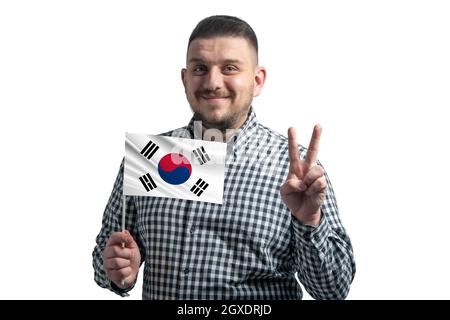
column 303, row 191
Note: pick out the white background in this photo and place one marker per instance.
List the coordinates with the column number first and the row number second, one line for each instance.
column 75, row 75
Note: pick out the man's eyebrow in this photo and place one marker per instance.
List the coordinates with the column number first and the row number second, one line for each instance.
column 192, row 60
column 234, row 61
column 226, row 61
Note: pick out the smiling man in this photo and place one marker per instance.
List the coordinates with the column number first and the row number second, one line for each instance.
column 279, row 216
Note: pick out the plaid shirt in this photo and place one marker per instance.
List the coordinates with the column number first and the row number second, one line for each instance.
column 250, row 247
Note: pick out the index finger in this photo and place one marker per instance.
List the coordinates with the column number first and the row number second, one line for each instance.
column 117, row 238
column 293, row 146
column 313, row 149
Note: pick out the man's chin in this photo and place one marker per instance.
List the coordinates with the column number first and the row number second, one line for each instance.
column 213, row 121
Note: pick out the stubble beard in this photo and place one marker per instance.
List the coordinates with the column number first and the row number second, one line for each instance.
column 229, row 121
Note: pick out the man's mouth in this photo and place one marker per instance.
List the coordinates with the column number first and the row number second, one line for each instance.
column 214, row 100
column 209, row 97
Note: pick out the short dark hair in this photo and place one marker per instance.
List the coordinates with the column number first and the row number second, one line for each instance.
column 222, row 25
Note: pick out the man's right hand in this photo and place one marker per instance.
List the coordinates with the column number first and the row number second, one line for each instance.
column 121, row 263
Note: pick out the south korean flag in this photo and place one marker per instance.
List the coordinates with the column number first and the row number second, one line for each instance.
column 160, row 166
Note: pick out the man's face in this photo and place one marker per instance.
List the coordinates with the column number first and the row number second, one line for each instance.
column 221, row 78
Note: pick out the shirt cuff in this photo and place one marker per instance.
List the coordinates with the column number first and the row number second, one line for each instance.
column 306, row 235
column 120, row 291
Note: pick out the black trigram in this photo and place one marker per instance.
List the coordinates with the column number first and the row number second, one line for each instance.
column 149, row 150
column 201, row 155
column 199, row 187
column 147, row 182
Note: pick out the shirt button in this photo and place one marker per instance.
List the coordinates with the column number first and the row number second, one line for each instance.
column 192, row 230
column 186, row 270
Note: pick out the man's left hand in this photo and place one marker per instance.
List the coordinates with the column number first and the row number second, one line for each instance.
column 303, row 191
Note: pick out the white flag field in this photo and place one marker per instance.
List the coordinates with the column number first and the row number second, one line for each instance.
column 160, row 166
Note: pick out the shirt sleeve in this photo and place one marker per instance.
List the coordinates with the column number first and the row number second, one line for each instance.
column 324, row 254
column 111, row 222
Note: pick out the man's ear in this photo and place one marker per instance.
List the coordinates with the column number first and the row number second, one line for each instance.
column 183, row 77
column 260, row 79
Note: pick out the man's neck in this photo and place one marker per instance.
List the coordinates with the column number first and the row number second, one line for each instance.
column 213, row 134
column 216, row 134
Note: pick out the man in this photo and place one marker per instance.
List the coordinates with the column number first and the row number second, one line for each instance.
column 279, row 215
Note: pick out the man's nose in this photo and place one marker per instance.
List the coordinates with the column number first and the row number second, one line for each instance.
column 214, row 79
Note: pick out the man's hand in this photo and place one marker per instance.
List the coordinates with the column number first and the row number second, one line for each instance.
column 121, row 263
column 304, row 189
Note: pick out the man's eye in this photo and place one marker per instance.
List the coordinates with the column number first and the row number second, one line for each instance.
column 199, row 69
column 230, row 68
